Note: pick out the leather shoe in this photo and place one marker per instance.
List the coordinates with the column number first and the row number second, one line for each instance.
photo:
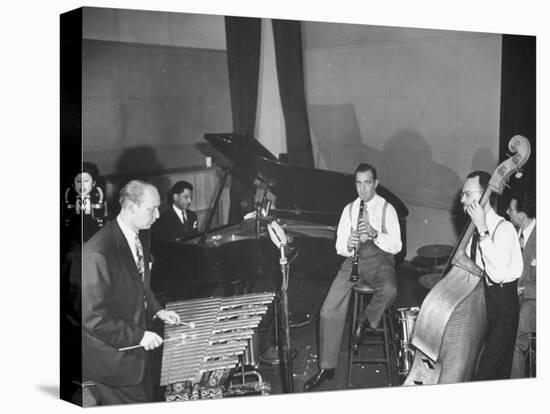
column 358, row 336
column 322, row 375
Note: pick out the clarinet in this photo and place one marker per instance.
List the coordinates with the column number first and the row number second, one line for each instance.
column 354, row 276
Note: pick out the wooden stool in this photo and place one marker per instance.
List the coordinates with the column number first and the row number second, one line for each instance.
column 361, row 292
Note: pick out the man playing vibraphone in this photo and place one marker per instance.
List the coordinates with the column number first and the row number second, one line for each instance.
column 117, row 302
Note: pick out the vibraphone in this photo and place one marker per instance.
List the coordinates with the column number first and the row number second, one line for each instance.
column 200, row 363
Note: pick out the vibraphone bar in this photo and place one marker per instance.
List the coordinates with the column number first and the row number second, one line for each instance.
column 197, row 362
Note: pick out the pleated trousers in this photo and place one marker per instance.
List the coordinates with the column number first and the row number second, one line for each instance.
column 376, row 269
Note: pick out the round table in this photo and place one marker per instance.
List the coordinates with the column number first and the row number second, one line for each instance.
column 435, row 252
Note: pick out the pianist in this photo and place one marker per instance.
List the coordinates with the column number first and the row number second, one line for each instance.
column 117, row 303
column 178, row 221
column 378, row 238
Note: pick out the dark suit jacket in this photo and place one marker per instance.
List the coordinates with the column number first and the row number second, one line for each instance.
column 529, row 276
column 170, row 228
column 113, row 310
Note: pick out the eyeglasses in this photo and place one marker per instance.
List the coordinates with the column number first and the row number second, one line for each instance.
column 468, row 193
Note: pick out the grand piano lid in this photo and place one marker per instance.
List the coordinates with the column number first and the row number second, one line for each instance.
column 315, row 194
column 246, row 230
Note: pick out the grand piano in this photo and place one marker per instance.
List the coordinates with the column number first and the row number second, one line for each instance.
column 306, row 202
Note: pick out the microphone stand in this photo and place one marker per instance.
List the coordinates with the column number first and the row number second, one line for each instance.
column 285, row 324
column 279, row 239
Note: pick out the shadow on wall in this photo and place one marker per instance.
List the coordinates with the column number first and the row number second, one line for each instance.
column 481, row 159
column 138, row 160
column 136, row 163
column 405, row 164
column 339, row 140
column 411, row 172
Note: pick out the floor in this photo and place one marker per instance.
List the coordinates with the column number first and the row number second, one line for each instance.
column 305, row 299
column 305, row 296
column 313, row 268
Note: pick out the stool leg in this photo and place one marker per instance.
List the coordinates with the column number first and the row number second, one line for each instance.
column 355, row 299
column 393, row 342
column 387, row 330
column 387, row 346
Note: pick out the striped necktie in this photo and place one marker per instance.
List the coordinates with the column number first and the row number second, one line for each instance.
column 473, row 246
column 363, row 236
column 140, row 263
column 521, row 240
column 141, row 266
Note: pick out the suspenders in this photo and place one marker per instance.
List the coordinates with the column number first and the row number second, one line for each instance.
column 383, row 229
column 493, row 240
column 496, row 228
column 384, row 217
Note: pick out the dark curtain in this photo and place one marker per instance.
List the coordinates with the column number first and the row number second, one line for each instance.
column 518, row 107
column 243, row 37
column 290, row 73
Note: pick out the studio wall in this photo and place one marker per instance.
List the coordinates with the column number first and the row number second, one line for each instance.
column 421, row 105
column 152, row 85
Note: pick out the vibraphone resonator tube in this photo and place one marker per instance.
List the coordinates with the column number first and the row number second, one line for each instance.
column 215, row 335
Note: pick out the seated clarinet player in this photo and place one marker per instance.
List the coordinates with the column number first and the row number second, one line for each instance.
column 376, row 235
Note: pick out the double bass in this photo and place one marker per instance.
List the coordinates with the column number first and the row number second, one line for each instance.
column 451, row 324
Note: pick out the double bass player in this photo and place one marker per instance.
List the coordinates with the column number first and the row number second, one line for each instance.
column 496, row 250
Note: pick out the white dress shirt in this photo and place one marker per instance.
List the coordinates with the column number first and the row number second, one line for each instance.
column 130, row 236
column 181, row 214
column 500, row 258
column 528, row 230
column 390, row 242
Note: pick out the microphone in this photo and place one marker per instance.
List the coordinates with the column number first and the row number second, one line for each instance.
column 277, row 234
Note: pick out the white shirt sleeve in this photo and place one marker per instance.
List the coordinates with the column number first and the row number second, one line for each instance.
column 391, row 241
column 502, row 257
column 343, row 233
